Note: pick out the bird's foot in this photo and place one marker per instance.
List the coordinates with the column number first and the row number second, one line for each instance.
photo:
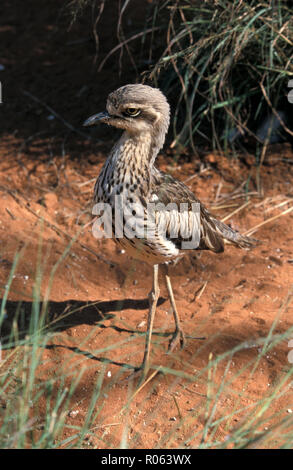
column 178, row 335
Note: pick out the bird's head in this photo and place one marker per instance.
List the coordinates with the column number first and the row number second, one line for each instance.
column 138, row 109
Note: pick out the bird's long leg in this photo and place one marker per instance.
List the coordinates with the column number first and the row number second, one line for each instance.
column 153, row 299
column 178, row 334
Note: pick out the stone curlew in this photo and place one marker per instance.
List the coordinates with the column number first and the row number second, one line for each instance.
column 159, row 218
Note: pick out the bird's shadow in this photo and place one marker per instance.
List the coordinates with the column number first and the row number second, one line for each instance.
column 59, row 316
column 21, row 322
column 20, row 317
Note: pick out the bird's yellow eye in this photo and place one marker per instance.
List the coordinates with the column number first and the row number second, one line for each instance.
column 132, row 112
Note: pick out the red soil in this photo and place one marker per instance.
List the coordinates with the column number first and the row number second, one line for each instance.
column 228, row 298
column 46, row 186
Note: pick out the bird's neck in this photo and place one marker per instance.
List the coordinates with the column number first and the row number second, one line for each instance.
column 135, row 154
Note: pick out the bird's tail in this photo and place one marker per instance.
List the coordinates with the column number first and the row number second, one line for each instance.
column 234, row 237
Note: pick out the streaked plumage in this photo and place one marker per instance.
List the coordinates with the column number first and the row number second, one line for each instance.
column 129, row 172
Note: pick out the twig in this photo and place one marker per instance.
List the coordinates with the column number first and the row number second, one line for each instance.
column 80, row 185
column 121, row 44
column 178, row 409
column 146, row 382
column 196, row 175
column 219, row 189
column 193, row 391
column 254, row 229
column 225, row 206
column 10, row 213
column 140, row 388
column 101, row 426
column 199, row 292
column 96, row 36
column 236, row 196
column 235, row 211
column 278, row 205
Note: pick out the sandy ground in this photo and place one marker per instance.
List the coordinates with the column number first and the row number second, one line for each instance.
column 228, row 298
column 98, row 298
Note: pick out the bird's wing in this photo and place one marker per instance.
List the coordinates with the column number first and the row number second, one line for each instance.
column 186, row 214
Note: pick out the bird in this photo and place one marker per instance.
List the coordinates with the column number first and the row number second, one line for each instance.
column 161, row 220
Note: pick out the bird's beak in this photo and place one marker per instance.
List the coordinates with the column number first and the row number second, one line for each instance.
column 103, row 117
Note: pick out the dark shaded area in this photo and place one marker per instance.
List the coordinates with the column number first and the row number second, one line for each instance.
column 51, row 78
column 63, row 315
column 48, row 62
column 59, row 316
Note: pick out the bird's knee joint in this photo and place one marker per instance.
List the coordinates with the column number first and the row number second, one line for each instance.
column 154, row 295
